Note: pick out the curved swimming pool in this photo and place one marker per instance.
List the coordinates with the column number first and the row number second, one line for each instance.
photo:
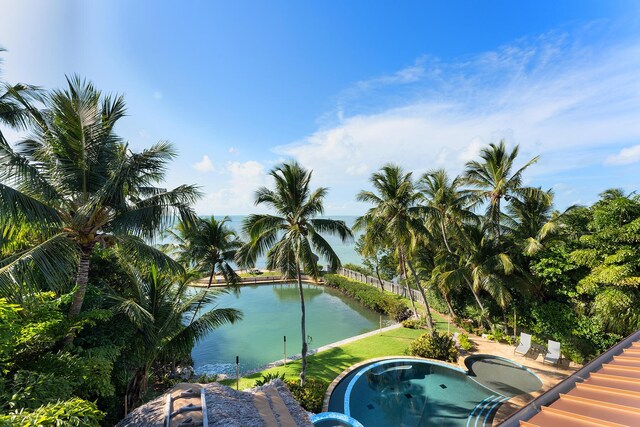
column 416, row 392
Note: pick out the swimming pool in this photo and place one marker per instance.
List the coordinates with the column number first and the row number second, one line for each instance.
column 417, row 392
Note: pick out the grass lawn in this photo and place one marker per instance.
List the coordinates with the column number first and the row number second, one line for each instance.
column 327, row 365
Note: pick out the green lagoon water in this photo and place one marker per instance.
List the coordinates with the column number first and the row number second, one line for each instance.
column 270, row 313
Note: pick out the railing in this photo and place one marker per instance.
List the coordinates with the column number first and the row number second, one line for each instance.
column 387, row 285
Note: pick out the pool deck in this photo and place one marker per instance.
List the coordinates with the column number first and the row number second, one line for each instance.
column 548, row 374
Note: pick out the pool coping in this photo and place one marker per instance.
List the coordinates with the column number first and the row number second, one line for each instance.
column 517, row 401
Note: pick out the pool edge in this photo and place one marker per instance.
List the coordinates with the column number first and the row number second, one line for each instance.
column 334, row 383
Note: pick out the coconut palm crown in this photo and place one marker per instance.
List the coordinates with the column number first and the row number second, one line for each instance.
column 493, row 179
column 290, row 237
column 77, row 181
column 209, row 246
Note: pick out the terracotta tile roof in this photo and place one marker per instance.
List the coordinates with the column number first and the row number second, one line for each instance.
column 606, row 392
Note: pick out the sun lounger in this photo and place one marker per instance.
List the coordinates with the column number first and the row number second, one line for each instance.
column 524, row 345
column 553, row 353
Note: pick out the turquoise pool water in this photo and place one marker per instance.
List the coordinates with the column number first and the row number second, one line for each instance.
column 416, row 393
column 270, row 313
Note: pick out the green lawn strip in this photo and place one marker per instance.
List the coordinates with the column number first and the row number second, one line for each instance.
column 327, row 365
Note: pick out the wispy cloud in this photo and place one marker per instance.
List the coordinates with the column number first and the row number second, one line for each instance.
column 626, row 156
column 553, row 96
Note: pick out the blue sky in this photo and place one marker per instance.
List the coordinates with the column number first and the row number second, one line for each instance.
column 344, row 87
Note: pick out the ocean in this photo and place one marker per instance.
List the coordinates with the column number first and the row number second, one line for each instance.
column 345, row 251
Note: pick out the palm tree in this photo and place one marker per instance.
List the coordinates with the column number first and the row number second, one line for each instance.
column 290, row 237
column 156, row 305
column 446, row 209
column 81, row 186
column 479, row 261
column 395, row 211
column 208, row 245
column 493, row 180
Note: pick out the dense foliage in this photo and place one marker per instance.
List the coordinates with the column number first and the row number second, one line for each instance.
column 492, row 252
column 381, row 302
column 92, row 317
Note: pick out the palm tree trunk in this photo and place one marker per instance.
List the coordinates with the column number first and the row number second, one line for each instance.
column 444, row 236
column 446, row 243
column 378, row 274
column 475, row 294
column 81, row 282
column 213, row 269
column 449, row 306
column 424, row 295
column 403, row 272
column 303, row 330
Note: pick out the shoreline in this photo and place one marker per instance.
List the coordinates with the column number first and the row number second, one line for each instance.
column 280, row 362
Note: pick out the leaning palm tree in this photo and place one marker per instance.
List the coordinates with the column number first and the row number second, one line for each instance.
column 156, row 305
column 493, row 180
column 290, row 237
column 395, row 210
column 81, row 186
column 209, row 245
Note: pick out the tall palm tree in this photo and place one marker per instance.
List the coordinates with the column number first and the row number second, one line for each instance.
column 209, row 245
column 156, row 305
column 493, row 180
column 82, row 186
column 290, row 237
column 395, row 210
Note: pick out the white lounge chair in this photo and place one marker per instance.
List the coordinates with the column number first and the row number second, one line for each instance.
column 524, row 345
column 553, row 353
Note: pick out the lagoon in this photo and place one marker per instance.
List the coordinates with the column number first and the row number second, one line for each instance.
column 272, row 312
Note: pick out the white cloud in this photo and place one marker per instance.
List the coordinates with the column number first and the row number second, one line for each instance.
column 626, row 156
column 233, row 150
column 204, row 165
column 553, row 98
column 237, row 185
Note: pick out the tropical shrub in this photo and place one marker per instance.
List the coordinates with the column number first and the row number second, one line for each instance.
column 268, row 377
column 438, row 346
column 413, row 323
column 382, row 302
column 70, row 413
column 465, row 343
column 311, row 395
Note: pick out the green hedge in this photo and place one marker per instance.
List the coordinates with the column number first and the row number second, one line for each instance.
column 382, row 302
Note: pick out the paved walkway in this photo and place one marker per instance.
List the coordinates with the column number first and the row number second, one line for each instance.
column 548, row 374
